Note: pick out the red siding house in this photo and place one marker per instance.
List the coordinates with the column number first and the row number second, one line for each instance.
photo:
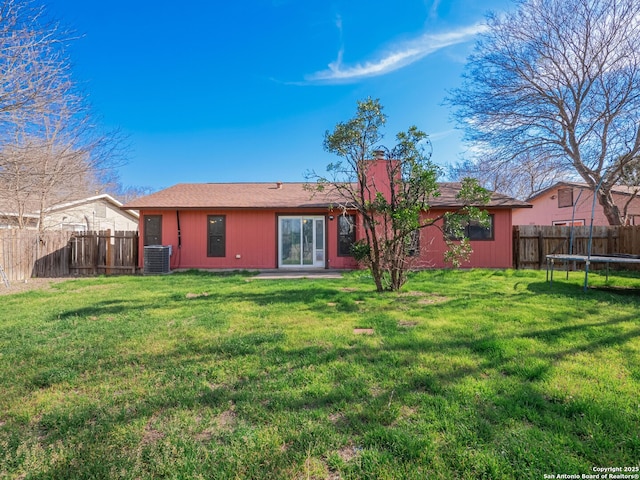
column 285, row 226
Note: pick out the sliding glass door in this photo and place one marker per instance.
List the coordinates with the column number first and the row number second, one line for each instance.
column 301, row 242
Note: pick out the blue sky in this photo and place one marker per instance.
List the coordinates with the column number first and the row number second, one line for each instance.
column 218, row 91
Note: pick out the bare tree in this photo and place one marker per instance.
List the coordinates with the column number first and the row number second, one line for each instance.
column 50, row 163
column 31, row 60
column 50, row 149
column 521, row 177
column 559, row 78
column 130, row 192
column 111, row 183
column 630, row 179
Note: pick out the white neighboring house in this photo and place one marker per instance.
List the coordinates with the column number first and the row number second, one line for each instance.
column 100, row 212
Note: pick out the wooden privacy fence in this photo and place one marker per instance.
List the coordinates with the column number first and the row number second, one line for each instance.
column 103, row 252
column 26, row 253
column 532, row 243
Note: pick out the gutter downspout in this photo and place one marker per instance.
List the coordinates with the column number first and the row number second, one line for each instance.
column 179, row 239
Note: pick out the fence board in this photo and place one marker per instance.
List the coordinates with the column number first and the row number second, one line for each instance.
column 26, row 253
column 532, row 243
column 104, row 253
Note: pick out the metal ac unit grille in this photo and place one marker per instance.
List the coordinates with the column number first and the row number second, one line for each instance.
column 156, row 259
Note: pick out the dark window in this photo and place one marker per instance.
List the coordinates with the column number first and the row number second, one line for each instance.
column 346, row 234
column 153, row 229
column 413, row 243
column 473, row 230
column 565, row 197
column 568, row 223
column 216, row 236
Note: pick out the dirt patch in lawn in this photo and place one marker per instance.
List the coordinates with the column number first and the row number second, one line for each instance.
column 432, row 299
column 196, row 295
column 151, row 435
column 363, row 331
column 336, row 418
column 31, row 284
column 407, row 323
column 227, row 419
column 424, row 298
column 348, row 453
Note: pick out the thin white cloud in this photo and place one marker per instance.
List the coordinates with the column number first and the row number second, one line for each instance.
column 433, row 11
column 339, row 24
column 394, row 58
column 434, row 137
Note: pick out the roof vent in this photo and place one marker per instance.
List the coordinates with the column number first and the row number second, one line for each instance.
column 279, row 185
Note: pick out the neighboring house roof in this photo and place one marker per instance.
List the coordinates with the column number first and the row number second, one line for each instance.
column 8, row 210
column 75, row 203
column 277, row 195
column 620, row 189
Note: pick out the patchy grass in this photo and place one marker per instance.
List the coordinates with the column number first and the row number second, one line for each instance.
column 467, row 374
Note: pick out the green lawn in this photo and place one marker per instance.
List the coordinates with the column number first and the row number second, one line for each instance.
column 468, row 374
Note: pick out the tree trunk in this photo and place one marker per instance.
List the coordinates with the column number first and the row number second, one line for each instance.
column 611, row 210
column 377, row 271
column 377, row 277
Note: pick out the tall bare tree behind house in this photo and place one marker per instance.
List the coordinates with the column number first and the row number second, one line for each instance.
column 558, row 81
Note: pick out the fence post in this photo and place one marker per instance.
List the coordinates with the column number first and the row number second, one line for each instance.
column 95, row 244
column 610, row 246
column 109, row 253
column 516, row 247
column 541, row 256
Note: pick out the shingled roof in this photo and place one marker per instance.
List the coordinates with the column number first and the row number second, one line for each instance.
column 620, row 189
column 450, row 190
column 276, row 195
column 234, row 195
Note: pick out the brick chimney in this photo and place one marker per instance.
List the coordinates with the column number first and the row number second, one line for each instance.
column 377, row 171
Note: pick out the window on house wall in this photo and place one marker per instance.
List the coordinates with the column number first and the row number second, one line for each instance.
column 474, row 230
column 568, row 223
column 346, row 234
column 153, row 229
column 413, row 243
column 216, row 233
column 101, row 210
column 73, row 227
column 565, row 197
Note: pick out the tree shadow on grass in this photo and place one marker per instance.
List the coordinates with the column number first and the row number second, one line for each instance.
column 306, row 385
column 488, row 398
column 620, row 294
column 102, row 308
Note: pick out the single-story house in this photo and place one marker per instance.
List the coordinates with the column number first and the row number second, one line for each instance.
column 283, row 225
column 567, row 202
column 99, row 212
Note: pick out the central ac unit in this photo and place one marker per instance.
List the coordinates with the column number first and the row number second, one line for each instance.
column 156, row 259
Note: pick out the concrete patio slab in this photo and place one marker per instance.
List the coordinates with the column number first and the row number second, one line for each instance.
column 297, row 274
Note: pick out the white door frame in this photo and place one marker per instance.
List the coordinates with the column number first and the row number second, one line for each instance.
column 317, row 246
